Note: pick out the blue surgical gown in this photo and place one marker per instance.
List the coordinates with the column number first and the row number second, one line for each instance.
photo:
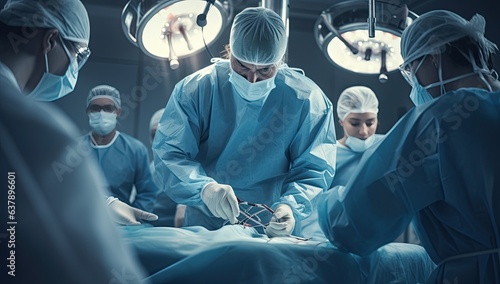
column 164, row 206
column 55, row 226
column 125, row 164
column 346, row 162
column 279, row 149
column 441, row 164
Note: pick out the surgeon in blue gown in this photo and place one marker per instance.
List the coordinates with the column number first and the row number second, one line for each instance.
column 357, row 109
column 250, row 128
column 169, row 213
column 438, row 164
column 122, row 158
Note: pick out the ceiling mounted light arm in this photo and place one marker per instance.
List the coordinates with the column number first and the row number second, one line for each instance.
column 335, row 32
column 174, row 60
column 167, row 29
column 281, row 8
column 382, row 77
column 342, row 33
column 201, row 20
column 371, row 18
column 182, row 30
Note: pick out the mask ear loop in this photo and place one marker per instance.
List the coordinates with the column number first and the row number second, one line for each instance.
column 494, row 74
column 442, row 88
column 479, row 71
column 46, row 63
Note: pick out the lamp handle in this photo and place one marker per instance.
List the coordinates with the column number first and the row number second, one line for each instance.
column 172, row 57
column 335, row 32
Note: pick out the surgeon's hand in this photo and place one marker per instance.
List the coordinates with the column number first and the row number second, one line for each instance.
column 221, row 201
column 282, row 222
column 124, row 214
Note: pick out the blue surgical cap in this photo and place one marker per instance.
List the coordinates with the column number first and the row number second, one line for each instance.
column 430, row 32
column 105, row 92
column 356, row 99
column 258, row 36
column 69, row 17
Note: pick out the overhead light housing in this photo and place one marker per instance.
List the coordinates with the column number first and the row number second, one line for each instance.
column 167, row 29
column 363, row 36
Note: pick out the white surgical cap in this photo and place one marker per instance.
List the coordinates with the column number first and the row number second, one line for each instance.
column 155, row 118
column 105, row 92
column 258, row 36
column 433, row 30
column 356, row 99
column 69, row 17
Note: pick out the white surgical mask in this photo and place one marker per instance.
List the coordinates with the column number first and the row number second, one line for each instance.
column 359, row 145
column 251, row 91
column 102, row 122
column 52, row 87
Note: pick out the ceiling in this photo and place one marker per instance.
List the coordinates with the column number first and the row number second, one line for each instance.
column 116, row 61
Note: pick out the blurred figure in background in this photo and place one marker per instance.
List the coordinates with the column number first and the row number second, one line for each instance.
column 122, row 158
column 58, row 226
column 357, row 109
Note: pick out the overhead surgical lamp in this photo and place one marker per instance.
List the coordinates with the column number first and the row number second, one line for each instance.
column 173, row 29
column 363, row 36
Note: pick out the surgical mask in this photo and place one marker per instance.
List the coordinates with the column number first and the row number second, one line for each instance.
column 52, row 87
column 102, row 122
column 359, row 145
column 419, row 95
column 251, row 91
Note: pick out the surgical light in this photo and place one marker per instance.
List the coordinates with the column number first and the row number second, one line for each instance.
column 168, row 29
column 363, row 36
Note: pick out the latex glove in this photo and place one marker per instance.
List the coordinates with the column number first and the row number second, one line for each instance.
column 124, row 214
column 221, row 201
column 282, row 222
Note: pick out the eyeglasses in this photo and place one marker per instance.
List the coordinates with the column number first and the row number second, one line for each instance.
column 253, row 213
column 98, row 108
column 82, row 53
column 406, row 73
